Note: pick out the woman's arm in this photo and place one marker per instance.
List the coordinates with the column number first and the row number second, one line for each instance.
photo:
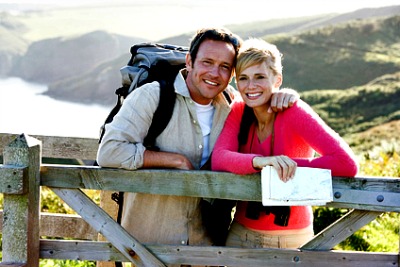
column 225, row 156
column 333, row 152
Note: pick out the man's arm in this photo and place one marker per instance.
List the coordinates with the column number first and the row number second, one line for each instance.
column 158, row 159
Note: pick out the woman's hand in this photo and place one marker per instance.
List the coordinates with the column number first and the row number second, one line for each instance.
column 285, row 166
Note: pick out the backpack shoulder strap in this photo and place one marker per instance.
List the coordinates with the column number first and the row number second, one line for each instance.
column 162, row 115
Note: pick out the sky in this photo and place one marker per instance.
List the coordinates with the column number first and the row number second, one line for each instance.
column 166, row 18
column 242, row 10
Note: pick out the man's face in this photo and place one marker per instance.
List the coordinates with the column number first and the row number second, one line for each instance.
column 211, row 72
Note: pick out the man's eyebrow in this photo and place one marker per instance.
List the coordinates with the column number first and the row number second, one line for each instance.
column 213, row 59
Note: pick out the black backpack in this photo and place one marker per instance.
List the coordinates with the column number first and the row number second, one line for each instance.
column 151, row 62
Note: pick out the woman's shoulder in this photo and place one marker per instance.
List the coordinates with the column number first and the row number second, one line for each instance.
column 237, row 107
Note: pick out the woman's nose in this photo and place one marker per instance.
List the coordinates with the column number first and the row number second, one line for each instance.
column 252, row 84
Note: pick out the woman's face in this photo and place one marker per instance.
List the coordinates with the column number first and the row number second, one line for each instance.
column 257, row 83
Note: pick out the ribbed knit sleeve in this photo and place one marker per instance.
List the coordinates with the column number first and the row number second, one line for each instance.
column 302, row 125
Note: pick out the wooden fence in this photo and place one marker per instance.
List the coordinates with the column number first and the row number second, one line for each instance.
column 22, row 175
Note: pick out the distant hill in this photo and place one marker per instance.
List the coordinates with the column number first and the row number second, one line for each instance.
column 97, row 86
column 12, row 45
column 301, row 24
column 58, row 59
column 341, row 57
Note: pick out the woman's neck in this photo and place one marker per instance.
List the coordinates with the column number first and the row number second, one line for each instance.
column 265, row 122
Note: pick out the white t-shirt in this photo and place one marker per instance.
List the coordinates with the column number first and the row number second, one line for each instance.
column 205, row 114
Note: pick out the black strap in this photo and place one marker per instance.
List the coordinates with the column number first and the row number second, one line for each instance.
column 162, row 115
column 248, row 118
column 282, row 213
column 253, row 210
column 121, row 93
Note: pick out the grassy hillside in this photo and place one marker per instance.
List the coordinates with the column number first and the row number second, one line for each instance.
column 342, row 56
column 366, row 114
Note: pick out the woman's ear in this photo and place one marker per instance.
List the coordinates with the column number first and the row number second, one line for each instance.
column 278, row 81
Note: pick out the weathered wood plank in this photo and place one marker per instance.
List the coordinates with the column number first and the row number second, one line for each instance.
column 108, row 227
column 371, row 193
column 340, row 230
column 212, row 184
column 21, row 212
column 60, row 147
column 63, row 225
column 13, row 179
column 12, row 264
column 67, row 226
column 171, row 182
column 79, row 250
column 220, row 256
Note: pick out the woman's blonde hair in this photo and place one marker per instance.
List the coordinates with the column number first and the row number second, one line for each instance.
column 256, row 51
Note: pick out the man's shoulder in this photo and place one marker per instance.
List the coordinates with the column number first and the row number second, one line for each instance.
column 145, row 91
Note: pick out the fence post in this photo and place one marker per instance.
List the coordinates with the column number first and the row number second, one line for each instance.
column 21, row 243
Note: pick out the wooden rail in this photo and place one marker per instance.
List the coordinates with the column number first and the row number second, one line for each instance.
column 22, row 174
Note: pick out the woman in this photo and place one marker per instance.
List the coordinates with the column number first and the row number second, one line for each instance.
column 253, row 138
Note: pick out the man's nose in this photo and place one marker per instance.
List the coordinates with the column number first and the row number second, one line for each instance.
column 215, row 71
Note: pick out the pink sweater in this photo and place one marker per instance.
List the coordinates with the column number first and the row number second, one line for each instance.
column 299, row 133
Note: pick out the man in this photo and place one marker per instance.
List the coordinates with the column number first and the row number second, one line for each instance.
column 186, row 143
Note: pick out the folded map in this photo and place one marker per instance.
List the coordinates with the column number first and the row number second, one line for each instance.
column 310, row 186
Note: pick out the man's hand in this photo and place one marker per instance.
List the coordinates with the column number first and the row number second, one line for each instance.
column 283, row 99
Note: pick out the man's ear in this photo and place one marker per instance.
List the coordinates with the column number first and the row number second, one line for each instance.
column 188, row 62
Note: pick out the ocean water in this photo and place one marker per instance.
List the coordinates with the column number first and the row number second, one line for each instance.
column 23, row 109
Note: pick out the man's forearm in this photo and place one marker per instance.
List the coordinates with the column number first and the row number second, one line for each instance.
column 156, row 159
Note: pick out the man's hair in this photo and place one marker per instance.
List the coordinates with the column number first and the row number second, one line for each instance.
column 215, row 34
